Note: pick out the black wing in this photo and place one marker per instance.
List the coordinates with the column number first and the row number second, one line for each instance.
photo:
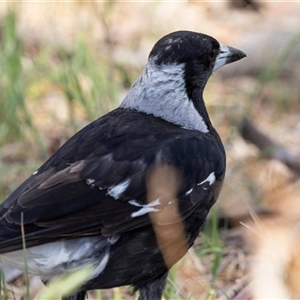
column 96, row 183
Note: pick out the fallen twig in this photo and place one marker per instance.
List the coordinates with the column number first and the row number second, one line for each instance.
column 270, row 148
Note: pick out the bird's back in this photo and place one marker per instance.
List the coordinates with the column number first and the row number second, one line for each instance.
column 96, row 185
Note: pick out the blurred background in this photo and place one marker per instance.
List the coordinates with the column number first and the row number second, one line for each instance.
column 64, row 64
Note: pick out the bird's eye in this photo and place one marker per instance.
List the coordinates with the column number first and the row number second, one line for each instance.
column 213, row 54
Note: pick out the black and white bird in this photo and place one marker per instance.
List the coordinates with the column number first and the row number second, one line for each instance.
column 113, row 194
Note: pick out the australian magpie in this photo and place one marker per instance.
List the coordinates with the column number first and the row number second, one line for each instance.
column 129, row 193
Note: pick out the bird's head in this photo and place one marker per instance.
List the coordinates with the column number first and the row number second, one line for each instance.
column 174, row 78
column 198, row 53
column 187, row 46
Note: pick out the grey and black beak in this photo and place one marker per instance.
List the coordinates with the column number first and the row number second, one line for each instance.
column 227, row 55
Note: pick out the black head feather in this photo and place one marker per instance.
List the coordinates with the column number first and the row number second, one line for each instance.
column 185, row 46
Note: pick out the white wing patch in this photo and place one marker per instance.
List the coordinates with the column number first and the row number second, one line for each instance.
column 90, row 182
column 117, row 190
column 144, row 208
column 210, row 179
column 189, row 191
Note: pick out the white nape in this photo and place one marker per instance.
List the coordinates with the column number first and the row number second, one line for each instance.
column 161, row 91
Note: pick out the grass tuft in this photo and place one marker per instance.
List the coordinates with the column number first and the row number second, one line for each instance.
column 65, row 285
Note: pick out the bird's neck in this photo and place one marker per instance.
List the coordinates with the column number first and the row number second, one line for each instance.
column 161, row 91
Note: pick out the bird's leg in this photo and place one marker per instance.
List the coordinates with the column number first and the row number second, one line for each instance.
column 154, row 289
column 78, row 296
